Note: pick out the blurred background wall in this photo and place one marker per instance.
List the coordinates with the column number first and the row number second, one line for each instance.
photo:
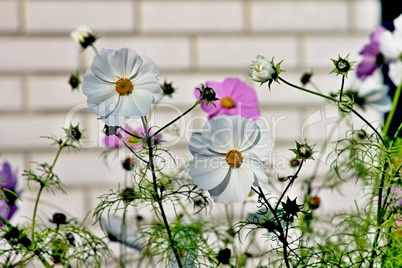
column 191, row 41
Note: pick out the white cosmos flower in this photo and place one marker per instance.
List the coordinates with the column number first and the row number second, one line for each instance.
column 117, row 231
column 261, row 70
column 228, row 155
column 121, row 84
column 391, row 48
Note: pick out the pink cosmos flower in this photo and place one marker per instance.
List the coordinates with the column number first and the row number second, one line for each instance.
column 114, row 141
column 372, row 57
column 8, row 182
column 235, row 98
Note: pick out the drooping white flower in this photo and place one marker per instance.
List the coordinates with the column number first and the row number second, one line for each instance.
column 228, row 157
column 391, row 48
column 121, row 84
column 261, row 70
column 369, row 93
column 83, row 36
column 118, row 231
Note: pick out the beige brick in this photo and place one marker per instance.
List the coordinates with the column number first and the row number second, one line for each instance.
column 9, row 16
column 299, row 15
column 184, row 16
column 167, row 52
column 65, row 16
column 41, row 89
column 25, row 131
column 85, row 168
column 10, row 94
column 367, row 14
column 71, row 204
column 284, row 125
column 232, row 52
column 36, row 54
column 319, row 50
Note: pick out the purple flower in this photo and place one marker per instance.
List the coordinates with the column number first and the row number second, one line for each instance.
column 8, row 183
column 398, row 197
column 114, row 141
column 235, row 98
column 372, row 57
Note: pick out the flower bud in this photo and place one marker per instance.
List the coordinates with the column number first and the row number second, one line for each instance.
column 303, row 151
column 109, row 131
column 75, row 133
column 305, row 79
column 342, row 65
column 167, row 89
column 58, row 219
column 83, row 36
column 71, row 239
column 314, row 202
column 128, row 164
column 128, row 195
column 261, row 70
column 224, row 256
column 74, row 81
column 294, row 162
column 207, row 94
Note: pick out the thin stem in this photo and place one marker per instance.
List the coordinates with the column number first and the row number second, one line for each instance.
column 371, row 126
column 177, row 118
column 282, row 237
column 379, row 219
column 342, row 85
column 36, row 252
column 95, row 49
column 392, row 112
column 307, row 90
column 42, row 186
column 293, row 178
column 158, row 197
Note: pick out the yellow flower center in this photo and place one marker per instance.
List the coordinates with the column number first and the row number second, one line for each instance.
column 124, row 86
column 227, row 102
column 234, row 158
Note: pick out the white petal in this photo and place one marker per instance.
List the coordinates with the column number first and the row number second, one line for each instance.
column 263, row 147
column 395, row 72
column 101, row 68
column 208, row 172
column 149, row 66
column 125, row 62
column 148, row 82
column 218, row 134
column 388, row 46
column 96, row 89
column 238, row 187
column 197, row 146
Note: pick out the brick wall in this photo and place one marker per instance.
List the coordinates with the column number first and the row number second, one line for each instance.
column 192, row 41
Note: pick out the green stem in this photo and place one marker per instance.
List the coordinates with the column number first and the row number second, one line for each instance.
column 293, row 178
column 342, row 85
column 37, row 252
column 158, row 197
column 392, row 112
column 42, row 186
column 282, row 236
column 307, row 90
column 177, row 118
column 371, row 126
